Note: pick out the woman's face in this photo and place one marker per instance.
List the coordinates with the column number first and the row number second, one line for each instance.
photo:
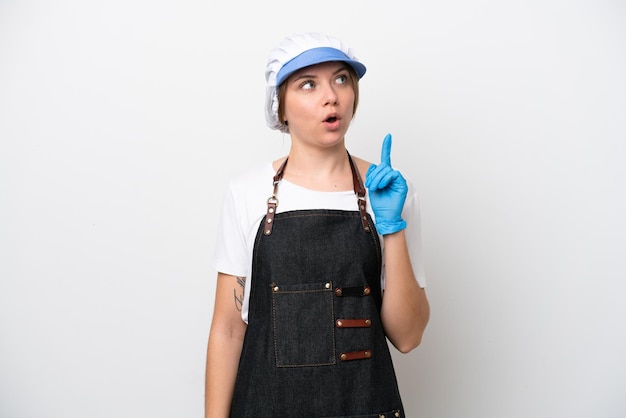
column 319, row 102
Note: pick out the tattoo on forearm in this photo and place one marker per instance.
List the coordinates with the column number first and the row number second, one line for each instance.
column 238, row 292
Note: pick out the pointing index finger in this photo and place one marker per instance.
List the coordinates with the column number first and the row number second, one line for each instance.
column 385, row 155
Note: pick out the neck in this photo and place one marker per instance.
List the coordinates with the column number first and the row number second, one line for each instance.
column 324, row 170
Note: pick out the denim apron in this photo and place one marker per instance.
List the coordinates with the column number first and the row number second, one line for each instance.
column 314, row 344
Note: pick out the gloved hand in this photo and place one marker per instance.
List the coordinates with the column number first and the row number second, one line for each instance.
column 387, row 191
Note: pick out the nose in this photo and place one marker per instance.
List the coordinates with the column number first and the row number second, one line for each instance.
column 330, row 95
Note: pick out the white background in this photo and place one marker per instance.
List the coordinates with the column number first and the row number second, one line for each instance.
column 120, row 122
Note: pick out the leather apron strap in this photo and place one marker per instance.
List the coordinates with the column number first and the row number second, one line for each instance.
column 359, row 191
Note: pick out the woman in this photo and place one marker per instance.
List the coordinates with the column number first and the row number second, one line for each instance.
column 304, row 252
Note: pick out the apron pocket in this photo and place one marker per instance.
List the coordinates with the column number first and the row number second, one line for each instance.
column 304, row 324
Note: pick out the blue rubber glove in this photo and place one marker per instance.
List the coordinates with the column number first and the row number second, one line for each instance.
column 387, row 191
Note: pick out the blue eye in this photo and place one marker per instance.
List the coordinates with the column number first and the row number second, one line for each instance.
column 307, row 85
column 342, row 79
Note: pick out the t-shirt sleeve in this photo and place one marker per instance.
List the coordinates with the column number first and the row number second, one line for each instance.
column 230, row 255
column 412, row 215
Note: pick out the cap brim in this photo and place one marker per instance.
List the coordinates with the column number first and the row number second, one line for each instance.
column 317, row 56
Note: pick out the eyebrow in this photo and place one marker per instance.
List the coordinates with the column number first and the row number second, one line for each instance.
column 305, row 75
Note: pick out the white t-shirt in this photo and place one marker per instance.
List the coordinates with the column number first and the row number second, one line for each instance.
column 245, row 204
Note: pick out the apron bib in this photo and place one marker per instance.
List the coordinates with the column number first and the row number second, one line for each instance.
column 314, row 344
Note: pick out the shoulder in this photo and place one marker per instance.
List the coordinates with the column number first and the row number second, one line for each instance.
column 245, row 197
column 362, row 165
column 250, row 187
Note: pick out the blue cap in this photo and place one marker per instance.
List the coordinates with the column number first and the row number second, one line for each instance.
column 317, row 56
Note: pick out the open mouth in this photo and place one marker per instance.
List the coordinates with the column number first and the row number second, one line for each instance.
column 331, row 119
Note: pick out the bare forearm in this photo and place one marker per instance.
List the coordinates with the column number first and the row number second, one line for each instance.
column 405, row 310
column 224, row 347
column 221, row 370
